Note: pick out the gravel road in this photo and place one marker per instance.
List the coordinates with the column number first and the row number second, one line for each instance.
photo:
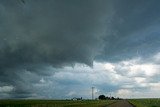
column 121, row 103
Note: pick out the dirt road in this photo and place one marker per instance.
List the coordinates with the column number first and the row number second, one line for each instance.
column 121, row 103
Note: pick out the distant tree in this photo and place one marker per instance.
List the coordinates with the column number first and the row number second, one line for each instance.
column 102, row 97
column 112, row 98
column 107, row 98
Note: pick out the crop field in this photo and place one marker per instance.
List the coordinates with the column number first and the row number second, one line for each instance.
column 55, row 103
column 145, row 102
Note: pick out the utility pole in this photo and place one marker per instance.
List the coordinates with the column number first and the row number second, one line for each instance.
column 92, row 93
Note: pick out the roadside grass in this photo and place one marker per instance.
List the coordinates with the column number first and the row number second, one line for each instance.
column 145, row 102
column 55, row 103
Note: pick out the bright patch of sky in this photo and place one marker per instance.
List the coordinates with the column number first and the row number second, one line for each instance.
column 127, row 79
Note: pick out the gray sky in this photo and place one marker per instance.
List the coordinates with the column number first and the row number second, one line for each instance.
column 61, row 48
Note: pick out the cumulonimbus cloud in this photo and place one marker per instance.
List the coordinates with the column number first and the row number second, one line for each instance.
column 38, row 37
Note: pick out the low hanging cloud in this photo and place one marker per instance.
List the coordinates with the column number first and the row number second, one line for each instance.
column 106, row 77
column 4, row 89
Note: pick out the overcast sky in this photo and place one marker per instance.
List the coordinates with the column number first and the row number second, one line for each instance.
column 59, row 49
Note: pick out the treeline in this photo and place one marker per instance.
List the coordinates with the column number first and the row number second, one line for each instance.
column 103, row 97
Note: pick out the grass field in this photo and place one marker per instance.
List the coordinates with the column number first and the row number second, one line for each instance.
column 54, row 103
column 145, row 102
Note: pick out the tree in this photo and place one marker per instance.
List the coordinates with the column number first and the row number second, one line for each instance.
column 102, row 97
column 107, row 98
column 112, row 98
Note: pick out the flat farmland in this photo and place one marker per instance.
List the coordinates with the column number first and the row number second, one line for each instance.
column 55, row 103
column 145, row 102
column 83, row 103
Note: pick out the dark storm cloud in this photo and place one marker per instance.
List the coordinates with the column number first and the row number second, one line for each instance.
column 66, row 32
column 37, row 34
column 57, row 32
column 133, row 30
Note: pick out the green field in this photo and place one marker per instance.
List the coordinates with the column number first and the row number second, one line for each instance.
column 145, row 102
column 55, row 103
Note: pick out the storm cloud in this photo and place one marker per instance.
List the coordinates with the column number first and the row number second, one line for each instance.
column 132, row 31
column 56, row 32
column 38, row 34
column 40, row 39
